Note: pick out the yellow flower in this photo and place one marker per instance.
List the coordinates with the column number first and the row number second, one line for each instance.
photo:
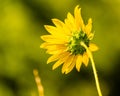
column 63, row 43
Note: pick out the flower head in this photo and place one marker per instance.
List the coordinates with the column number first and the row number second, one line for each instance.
column 64, row 41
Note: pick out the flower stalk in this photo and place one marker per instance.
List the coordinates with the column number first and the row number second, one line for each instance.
column 38, row 82
column 94, row 69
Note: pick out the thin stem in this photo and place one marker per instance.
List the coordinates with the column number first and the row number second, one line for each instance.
column 38, row 82
column 94, row 69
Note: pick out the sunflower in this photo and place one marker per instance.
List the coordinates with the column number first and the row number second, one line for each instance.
column 64, row 41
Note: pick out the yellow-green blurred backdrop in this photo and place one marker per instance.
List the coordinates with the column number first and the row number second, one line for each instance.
column 21, row 25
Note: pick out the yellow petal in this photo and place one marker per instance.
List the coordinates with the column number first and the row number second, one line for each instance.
column 55, row 51
column 50, row 38
column 67, row 63
column 50, row 29
column 56, row 32
column 78, row 62
column 62, row 59
column 53, row 58
column 57, row 22
column 57, row 64
column 78, row 18
column 93, row 47
column 70, row 68
column 71, row 18
column 53, row 40
column 60, row 26
column 46, row 37
column 44, row 45
column 69, row 26
column 85, row 59
column 90, row 36
column 88, row 27
column 70, row 22
column 57, row 56
column 67, row 30
column 56, row 47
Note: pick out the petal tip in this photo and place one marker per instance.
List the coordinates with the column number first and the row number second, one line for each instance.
column 41, row 46
column 77, row 6
column 48, row 62
column 46, row 26
column 54, row 67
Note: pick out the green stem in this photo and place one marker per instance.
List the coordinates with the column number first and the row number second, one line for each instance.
column 94, row 69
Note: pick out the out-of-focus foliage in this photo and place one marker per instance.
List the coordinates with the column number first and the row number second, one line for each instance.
column 21, row 25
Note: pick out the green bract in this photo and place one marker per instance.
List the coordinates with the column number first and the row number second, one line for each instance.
column 74, row 43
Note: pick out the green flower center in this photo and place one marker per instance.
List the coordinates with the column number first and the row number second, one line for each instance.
column 74, row 43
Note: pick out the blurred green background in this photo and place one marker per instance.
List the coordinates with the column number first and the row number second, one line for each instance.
column 21, row 25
